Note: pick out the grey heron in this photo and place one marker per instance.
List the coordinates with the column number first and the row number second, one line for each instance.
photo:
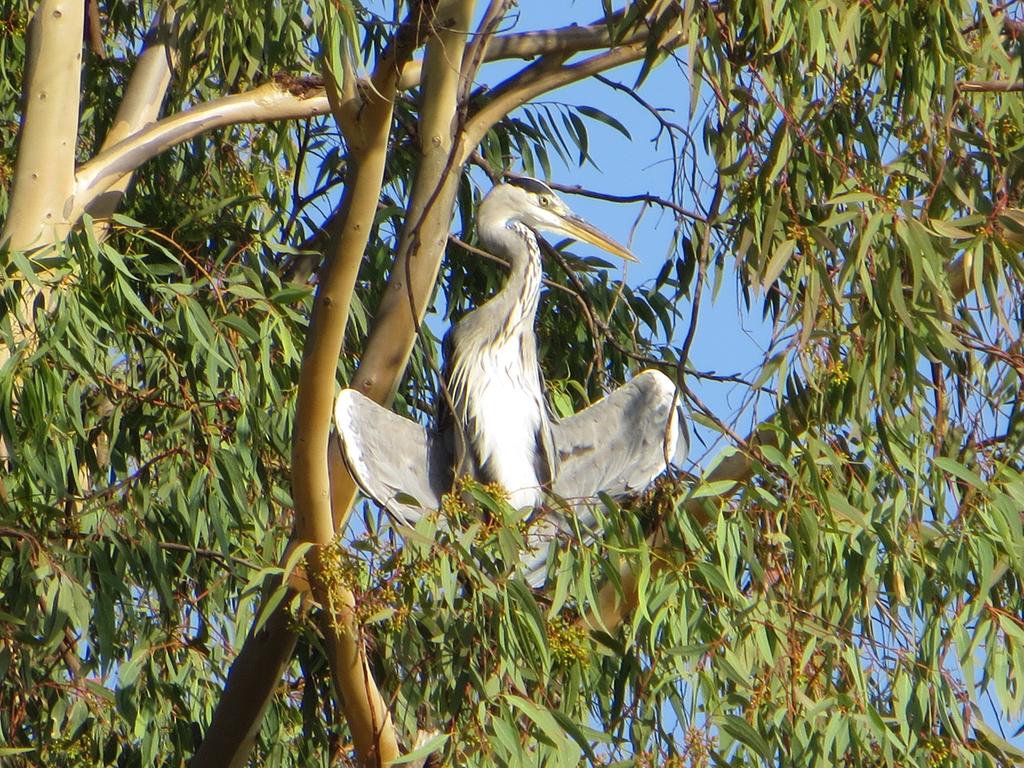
column 493, row 422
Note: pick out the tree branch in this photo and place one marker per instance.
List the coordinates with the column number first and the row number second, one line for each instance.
column 990, row 86
column 289, row 98
column 550, row 72
column 95, row 30
column 428, row 219
column 320, row 498
column 143, row 98
column 280, row 99
column 474, row 54
column 370, row 722
column 264, row 656
column 258, row 668
column 661, row 202
column 566, row 41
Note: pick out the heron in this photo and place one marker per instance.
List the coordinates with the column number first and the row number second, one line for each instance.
column 493, row 422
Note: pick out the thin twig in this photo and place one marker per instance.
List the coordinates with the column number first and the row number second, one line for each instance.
column 208, row 553
column 698, row 289
column 990, row 86
column 306, row 132
column 577, row 189
column 664, row 125
column 474, row 54
column 1010, row 25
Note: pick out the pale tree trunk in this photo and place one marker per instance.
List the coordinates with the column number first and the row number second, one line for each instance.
column 46, row 193
column 44, row 171
column 364, row 115
column 424, row 235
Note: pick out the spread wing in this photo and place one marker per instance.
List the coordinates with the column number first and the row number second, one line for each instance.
column 620, row 444
column 617, row 446
column 391, row 457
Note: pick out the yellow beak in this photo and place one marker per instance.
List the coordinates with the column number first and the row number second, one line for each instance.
column 576, row 227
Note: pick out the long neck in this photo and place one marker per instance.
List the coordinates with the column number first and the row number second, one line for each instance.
column 515, row 305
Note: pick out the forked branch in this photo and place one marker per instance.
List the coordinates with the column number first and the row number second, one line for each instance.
column 367, row 127
column 550, row 72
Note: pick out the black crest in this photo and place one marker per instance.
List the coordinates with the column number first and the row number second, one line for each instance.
column 535, row 186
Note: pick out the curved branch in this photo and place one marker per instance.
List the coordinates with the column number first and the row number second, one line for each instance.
column 290, row 98
column 280, row 99
column 319, row 479
column 427, row 220
column 254, row 676
column 474, row 54
column 323, row 490
column 550, row 72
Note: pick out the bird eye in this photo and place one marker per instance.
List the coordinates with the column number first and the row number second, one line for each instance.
column 544, row 201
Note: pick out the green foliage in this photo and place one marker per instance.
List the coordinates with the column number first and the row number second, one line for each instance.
column 149, row 439
column 510, row 674
column 857, row 602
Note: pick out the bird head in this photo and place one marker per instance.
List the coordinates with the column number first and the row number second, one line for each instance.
column 535, row 204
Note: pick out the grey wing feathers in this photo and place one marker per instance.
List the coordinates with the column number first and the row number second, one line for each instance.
column 389, row 455
column 619, row 444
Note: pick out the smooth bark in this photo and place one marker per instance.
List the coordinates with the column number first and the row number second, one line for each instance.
column 366, row 124
column 428, row 218
column 140, row 106
column 39, row 212
column 280, row 99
